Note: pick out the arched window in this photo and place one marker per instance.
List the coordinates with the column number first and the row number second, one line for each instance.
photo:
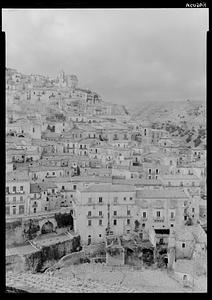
column 184, row 277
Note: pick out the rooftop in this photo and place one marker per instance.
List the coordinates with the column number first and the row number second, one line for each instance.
column 109, row 188
column 162, row 194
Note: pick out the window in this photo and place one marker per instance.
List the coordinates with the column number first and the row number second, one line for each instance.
column 21, row 209
column 131, row 175
column 53, row 173
column 53, row 190
column 7, row 190
column 100, row 222
column 115, row 213
column 115, row 199
column 115, row 222
column 172, row 215
column 172, row 225
column 100, row 213
column 89, row 239
column 89, row 200
column 193, row 209
column 14, row 210
column 156, row 171
column 100, row 199
column 14, row 199
column 181, row 184
column 89, row 222
column 100, row 235
column 45, row 208
column 21, row 188
column 144, row 214
column 33, row 129
column 74, row 187
column 150, row 171
column 89, row 213
column 128, row 212
column 185, row 218
column 63, row 187
column 14, row 189
column 158, row 214
column 21, row 199
column 7, row 199
column 7, row 210
column 128, row 221
column 125, row 198
column 183, row 245
column 131, row 198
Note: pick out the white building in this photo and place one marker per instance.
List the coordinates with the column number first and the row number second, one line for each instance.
column 101, row 206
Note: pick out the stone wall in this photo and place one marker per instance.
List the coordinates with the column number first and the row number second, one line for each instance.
column 38, row 260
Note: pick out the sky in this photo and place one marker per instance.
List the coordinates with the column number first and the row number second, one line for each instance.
column 127, row 56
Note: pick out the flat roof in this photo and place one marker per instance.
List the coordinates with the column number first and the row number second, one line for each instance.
column 161, row 194
column 109, row 188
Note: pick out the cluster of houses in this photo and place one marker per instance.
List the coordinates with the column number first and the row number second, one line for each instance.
column 67, row 148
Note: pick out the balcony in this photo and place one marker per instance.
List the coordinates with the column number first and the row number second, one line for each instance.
column 144, row 219
column 15, row 193
column 159, row 219
column 122, row 217
column 95, row 217
column 172, row 219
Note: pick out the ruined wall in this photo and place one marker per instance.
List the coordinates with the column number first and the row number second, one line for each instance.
column 36, row 261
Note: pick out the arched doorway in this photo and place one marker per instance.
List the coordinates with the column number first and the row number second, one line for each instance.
column 47, row 228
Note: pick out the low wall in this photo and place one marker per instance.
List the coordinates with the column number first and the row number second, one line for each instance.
column 71, row 259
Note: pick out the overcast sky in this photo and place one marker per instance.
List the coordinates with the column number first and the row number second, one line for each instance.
column 125, row 55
